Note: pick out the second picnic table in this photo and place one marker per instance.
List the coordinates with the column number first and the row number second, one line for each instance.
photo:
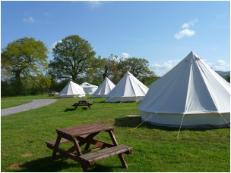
column 84, row 103
column 85, row 134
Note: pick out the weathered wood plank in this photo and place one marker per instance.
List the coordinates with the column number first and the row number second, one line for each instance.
column 104, row 153
column 84, row 129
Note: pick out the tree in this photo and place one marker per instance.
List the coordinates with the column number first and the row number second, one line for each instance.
column 139, row 67
column 72, row 57
column 102, row 67
column 24, row 57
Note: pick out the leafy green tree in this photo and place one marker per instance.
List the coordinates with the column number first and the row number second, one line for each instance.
column 72, row 58
column 24, row 57
column 115, row 67
column 102, row 67
column 139, row 67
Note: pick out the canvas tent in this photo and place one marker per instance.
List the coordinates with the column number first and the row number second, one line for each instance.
column 72, row 89
column 191, row 94
column 104, row 89
column 129, row 88
column 89, row 88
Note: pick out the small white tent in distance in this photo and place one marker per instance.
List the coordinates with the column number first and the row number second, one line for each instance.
column 128, row 89
column 191, row 94
column 89, row 88
column 104, row 89
column 72, row 90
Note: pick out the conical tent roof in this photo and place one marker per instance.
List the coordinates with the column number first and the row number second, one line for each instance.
column 191, row 87
column 129, row 88
column 105, row 88
column 72, row 89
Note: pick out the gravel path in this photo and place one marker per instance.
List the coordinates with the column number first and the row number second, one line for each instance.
column 28, row 106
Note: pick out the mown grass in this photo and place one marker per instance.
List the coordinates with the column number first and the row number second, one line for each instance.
column 7, row 102
column 154, row 149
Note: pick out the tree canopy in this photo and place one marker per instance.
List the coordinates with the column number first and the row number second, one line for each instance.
column 25, row 56
column 139, row 67
column 24, row 66
column 115, row 67
column 72, row 58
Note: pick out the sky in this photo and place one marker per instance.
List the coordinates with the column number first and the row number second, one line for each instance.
column 161, row 32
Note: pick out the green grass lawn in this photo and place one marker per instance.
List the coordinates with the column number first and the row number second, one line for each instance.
column 154, row 149
column 18, row 100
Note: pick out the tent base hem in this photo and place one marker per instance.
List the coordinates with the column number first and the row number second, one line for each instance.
column 189, row 120
column 125, row 99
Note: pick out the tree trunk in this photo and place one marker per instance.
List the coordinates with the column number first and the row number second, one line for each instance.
column 74, row 77
column 18, row 84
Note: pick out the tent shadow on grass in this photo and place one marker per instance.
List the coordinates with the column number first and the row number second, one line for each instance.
column 46, row 164
column 135, row 121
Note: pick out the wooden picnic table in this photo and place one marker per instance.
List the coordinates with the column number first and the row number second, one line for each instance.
column 84, row 103
column 84, row 135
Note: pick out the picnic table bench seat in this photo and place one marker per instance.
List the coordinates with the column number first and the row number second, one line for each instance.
column 91, row 158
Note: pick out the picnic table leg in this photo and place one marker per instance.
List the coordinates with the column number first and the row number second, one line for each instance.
column 57, row 142
column 77, row 146
column 121, row 157
column 88, row 139
column 78, row 149
column 84, row 167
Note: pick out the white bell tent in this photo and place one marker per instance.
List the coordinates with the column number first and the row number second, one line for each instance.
column 191, row 94
column 104, row 89
column 89, row 88
column 128, row 89
column 72, row 90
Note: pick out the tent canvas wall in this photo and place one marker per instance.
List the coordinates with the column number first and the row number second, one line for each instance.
column 191, row 94
column 72, row 89
column 89, row 88
column 104, row 89
column 128, row 89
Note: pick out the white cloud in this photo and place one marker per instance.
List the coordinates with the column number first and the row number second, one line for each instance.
column 184, row 33
column 162, row 68
column 186, row 30
column 189, row 24
column 220, row 65
column 125, row 55
column 29, row 19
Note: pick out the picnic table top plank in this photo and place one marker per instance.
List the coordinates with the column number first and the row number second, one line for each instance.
column 84, row 129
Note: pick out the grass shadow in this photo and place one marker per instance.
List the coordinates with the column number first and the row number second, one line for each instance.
column 74, row 109
column 135, row 121
column 46, row 164
column 69, row 109
column 128, row 121
column 102, row 168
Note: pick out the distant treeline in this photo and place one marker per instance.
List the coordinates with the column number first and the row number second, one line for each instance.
column 26, row 70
